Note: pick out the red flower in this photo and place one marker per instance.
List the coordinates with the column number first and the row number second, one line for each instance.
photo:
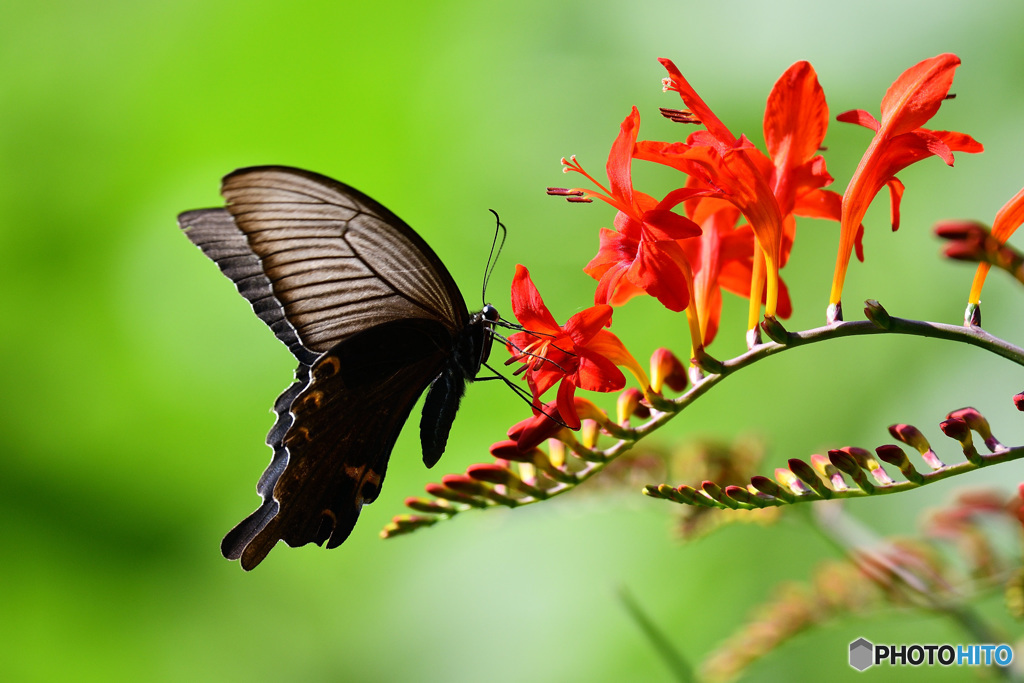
column 725, row 167
column 768, row 191
column 643, row 254
column 579, row 354
column 1006, row 223
column 899, row 141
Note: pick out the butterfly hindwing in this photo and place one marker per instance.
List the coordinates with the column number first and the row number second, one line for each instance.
column 345, row 424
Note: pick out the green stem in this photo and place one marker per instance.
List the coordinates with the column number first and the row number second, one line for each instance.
column 965, row 335
column 673, row 659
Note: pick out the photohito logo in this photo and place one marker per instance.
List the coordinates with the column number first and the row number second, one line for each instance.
column 864, row 654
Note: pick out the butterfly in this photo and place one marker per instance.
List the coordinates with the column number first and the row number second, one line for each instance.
column 372, row 316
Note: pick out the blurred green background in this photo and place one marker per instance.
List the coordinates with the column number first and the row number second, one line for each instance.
column 137, row 383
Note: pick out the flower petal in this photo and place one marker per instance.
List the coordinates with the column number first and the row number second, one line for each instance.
column 796, row 117
column 608, row 345
column 859, row 117
column 597, row 373
column 615, row 248
column 566, row 404
column 582, row 327
column 620, row 159
column 1009, row 217
column 917, row 94
column 528, row 306
column 656, row 270
column 664, row 225
column 693, row 101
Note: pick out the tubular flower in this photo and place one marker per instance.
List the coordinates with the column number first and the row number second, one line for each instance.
column 723, row 258
column 643, row 254
column 1007, row 221
column 580, row 354
column 899, row 141
column 725, row 167
column 795, row 123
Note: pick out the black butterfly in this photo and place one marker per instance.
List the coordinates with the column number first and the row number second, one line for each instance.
column 373, row 317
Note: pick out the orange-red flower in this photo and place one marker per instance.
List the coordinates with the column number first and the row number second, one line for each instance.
column 725, row 167
column 899, row 141
column 642, row 254
column 974, row 241
column 1006, row 223
column 768, row 191
column 578, row 354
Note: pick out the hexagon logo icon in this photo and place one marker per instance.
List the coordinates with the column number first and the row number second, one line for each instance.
column 861, row 654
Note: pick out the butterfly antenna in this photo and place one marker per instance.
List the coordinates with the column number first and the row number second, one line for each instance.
column 522, row 352
column 492, row 258
column 523, row 394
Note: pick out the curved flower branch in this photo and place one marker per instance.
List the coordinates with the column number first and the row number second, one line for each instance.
column 523, row 473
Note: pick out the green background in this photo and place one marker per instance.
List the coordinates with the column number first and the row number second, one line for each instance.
column 137, row 384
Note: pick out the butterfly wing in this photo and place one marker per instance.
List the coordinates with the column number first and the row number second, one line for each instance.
column 215, row 232
column 344, row 424
column 373, row 317
column 338, row 262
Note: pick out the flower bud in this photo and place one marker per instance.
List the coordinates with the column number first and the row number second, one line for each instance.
column 629, row 404
column 867, row 461
column 848, row 464
column 440, row 491
column 775, row 330
column 978, row 423
column 967, row 239
column 806, row 474
column 790, row 481
column 912, row 436
column 436, row 507
column 591, row 430
column 741, row 495
column 460, row 483
column 894, row 455
column 667, row 370
column 511, row 450
column 403, row 524
column 956, row 428
column 491, row 473
column 877, row 314
column 769, row 487
column 714, row 491
column 826, row 469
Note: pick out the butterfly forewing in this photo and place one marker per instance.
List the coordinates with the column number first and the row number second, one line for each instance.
column 337, row 261
column 215, row 232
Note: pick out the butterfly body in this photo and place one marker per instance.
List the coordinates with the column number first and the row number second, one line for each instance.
column 374, row 319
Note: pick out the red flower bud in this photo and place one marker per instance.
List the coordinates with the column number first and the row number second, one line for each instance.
column 667, row 370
